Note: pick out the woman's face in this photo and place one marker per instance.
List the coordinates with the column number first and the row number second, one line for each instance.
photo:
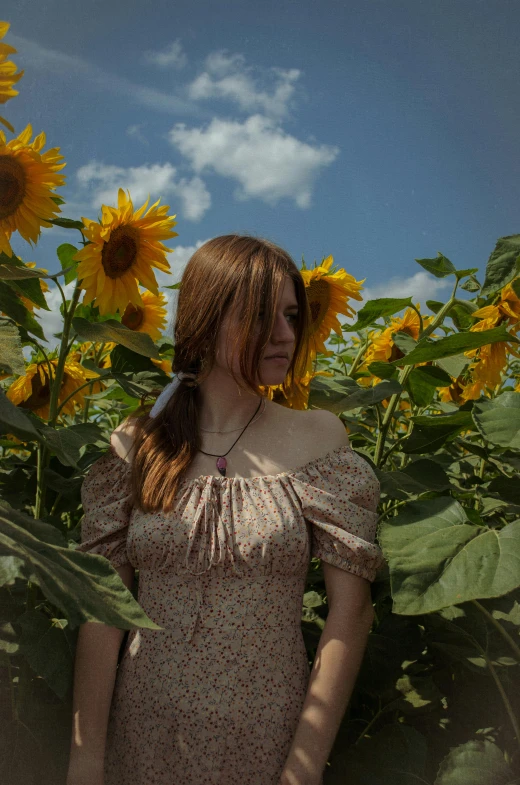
column 271, row 371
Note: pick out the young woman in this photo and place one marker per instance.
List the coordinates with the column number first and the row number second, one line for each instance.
column 219, row 497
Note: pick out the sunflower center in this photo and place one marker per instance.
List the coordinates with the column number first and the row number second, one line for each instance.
column 318, row 297
column 132, row 317
column 12, row 185
column 120, row 252
column 40, row 393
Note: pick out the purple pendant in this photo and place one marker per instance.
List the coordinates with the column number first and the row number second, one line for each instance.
column 221, row 465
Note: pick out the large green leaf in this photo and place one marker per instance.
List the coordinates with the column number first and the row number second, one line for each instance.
column 31, row 289
column 431, row 432
column 84, row 586
column 375, row 309
column 383, row 370
column 498, row 420
column 327, row 392
column 12, row 306
column 416, row 478
column 454, row 344
column 368, row 396
column 11, row 354
column 507, row 488
column 454, row 365
column 440, row 267
column 111, row 330
column 437, row 558
column 476, row 763
column 44, row 645
column 66, row 253
column 13, row 420
column 419, row 388
column 502, row 265
column 124, row 360
column 396, row 755
column 66, row 442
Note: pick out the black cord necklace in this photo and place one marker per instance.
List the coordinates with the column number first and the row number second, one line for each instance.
column 221, row 461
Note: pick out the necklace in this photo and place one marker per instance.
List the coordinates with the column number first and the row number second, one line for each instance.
column 221, row 462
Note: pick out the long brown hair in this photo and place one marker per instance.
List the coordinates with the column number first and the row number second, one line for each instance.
column 226, row 272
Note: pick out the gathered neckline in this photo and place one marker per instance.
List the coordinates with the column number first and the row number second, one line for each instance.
column 266, row 477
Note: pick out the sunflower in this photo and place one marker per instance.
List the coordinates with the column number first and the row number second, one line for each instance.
column 28, row 178
column 298, row 396
column 328, row 294
column 489, row 361
column 382, row 347
column 149, row 317
column 8, row 74
column 124, row 246
column 32, row 391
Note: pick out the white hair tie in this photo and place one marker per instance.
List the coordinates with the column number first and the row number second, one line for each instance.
column 167, row 393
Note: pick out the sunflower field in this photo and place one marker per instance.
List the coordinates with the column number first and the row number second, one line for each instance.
column 430, row 396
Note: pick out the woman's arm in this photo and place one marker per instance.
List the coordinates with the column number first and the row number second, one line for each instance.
column 334, row 672
column 95, row 669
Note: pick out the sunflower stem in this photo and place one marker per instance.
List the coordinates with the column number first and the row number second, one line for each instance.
column 403, row 376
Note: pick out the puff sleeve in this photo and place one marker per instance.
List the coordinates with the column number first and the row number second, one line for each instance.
column 107, row 503
column 339, row 495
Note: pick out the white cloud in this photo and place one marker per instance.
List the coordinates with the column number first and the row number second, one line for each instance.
column 172, row 56
column 267, row 163
column 421, row 287
column 135, row 132
column 50, row 60
column 252, row 89
column 52, row 321
column 156, row 180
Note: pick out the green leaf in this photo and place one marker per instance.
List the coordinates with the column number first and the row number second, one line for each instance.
column 498, row 420
column 417, row 478
column 419, row 391
column 12, row 306
column 428, row 473
column 330, row 392
column 111, row 330
column 124, row 360
column 454, row 344
column 66, row 442
column 437, row 558
column 463, row 273
column 13, row 420
column 44, row 645
column 404, row 342
column 374, row 309
column 454, row 365
column 11, row 355
column 67, row 223
column 508, row 488
column 516, row 286
column 383, row 370
column 475, row 762
column 84, row 586
column 66, row 253
column 433, row 376
column 396, row 755
column 368, row 396
column 440, row 267
column 430, row 433
column 30, row 288
column 434, row 305
column 502, row 265
column 471, row 285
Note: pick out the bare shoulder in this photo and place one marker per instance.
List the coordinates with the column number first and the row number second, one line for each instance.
column 122, row 440
column 328, row 428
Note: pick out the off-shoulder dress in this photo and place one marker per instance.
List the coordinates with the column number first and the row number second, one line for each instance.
column 214, row 697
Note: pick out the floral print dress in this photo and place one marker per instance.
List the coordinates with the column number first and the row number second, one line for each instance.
column 215, row 696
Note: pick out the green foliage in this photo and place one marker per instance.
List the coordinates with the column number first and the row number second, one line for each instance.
column 434, row 701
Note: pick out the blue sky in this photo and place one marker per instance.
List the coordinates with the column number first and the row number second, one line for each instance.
column 378, row 132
